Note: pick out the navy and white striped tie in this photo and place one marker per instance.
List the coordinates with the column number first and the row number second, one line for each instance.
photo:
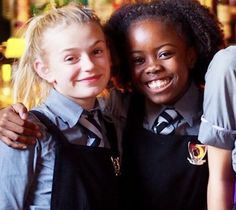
column 164, row 123
column 92, row 127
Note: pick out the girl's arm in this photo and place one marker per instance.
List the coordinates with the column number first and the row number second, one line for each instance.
column 221, row 179
column 15, row 130
column 218, row 127
column 17, row 172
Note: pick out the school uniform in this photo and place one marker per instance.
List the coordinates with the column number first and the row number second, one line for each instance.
column 61, row 172
column 218, row 127
column 161, row 172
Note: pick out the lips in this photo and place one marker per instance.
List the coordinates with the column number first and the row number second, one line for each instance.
column 159, row 83
column 91, row 78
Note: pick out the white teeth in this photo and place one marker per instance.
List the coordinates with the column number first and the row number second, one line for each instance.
column 158, row 83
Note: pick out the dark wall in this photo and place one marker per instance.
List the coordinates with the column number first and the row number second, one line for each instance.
column 5, row 26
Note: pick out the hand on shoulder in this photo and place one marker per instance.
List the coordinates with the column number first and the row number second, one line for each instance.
column 15, row 130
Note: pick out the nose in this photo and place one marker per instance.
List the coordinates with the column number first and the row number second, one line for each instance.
column 153, row 65
column 86, row 63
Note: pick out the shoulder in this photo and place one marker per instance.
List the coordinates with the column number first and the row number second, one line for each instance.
column 46, row 111
column 224, row 62
column 222, row 69
column 117, row 103
column 46, row 138
column 227, row 53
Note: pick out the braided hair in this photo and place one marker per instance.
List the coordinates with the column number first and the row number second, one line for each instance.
column 191, row 20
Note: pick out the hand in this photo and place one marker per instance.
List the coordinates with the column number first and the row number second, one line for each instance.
column 15, row 130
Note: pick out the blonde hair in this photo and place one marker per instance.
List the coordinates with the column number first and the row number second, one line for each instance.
column 28, row 87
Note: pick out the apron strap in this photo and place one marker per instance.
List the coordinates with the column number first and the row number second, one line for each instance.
column 53, row 129
column 112, row 137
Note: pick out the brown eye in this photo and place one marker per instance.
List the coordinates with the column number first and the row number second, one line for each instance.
column 165, row 55
column 138, row 60
column 98, row 51
column 71, row 59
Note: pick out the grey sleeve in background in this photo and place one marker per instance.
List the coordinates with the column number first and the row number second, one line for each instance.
column 218, row 126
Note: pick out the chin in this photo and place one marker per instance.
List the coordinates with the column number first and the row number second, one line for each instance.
column 160, row 100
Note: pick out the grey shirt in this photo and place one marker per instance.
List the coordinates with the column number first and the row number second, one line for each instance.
column 26, row 176
column 189, row 106
column 218, row 126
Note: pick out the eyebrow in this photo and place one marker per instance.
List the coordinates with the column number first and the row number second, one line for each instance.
column 164, row 45
column 94, row 44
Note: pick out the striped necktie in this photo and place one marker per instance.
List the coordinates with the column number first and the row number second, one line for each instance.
column 164, row 123
column 90, row 122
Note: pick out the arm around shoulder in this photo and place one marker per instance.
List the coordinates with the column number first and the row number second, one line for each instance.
column 15, row 130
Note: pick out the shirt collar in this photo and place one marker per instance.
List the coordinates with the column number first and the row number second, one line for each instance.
column 68, row 110
column 188, row 106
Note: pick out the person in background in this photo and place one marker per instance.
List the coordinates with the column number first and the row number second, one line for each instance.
column 218, row 128
column 164, row 48
column 162, row 51
column 65, row 66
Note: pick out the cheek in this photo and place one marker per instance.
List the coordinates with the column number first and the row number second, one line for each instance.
column 107, row 62
column 185, row 74
column 181, row 70
column 105, row 66
column 136, row 76
column 183, row 80
column 107, row 75
column 73, row 76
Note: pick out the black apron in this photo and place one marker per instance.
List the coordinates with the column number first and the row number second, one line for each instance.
column 156, row 174
column 84, row 177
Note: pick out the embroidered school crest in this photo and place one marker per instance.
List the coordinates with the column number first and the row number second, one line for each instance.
column 197, row 152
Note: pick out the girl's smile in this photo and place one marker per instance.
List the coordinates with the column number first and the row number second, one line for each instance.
column 160, row 60
column 78, row 67
column 159, row 84
column 90, row 79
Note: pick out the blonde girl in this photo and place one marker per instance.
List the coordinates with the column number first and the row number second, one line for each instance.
column 66, row 64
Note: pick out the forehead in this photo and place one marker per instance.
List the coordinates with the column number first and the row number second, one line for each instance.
column 153, row 30
column 73, row 34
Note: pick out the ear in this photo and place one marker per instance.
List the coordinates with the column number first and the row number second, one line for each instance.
column 192, row 57
column 42, row 70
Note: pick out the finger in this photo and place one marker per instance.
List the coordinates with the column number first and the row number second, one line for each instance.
column 25, row 127
column 13, row 144
column 15, row 137
column 26, row 140
column 32, row 127
column 11, row 120
column 21, row 110
column 10, row 116
column 8, row 125
column 24, row 131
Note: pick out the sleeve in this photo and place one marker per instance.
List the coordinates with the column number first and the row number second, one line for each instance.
column 117, row 104
column 17, row 169
column 219, row 107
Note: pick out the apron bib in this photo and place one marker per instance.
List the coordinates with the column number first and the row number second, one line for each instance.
column 161, row 172
column 84, row 177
